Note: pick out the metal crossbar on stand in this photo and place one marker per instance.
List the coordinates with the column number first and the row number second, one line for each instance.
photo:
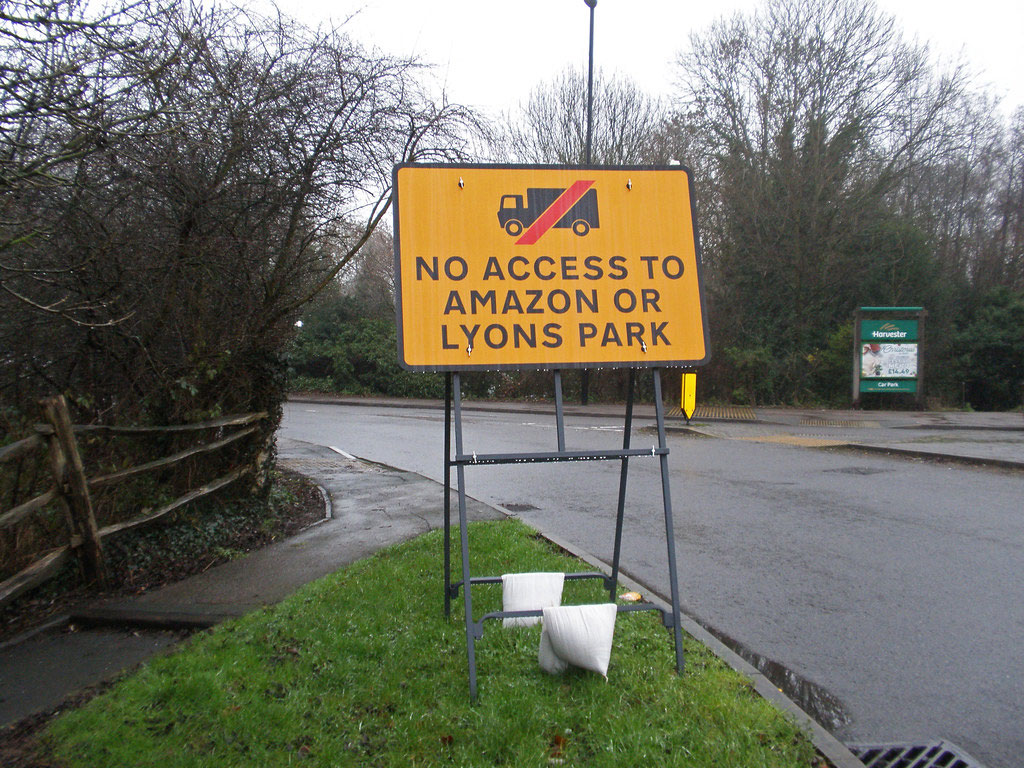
column 461, row 460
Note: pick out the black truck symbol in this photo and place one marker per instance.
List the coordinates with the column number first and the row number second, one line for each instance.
column 514, row 218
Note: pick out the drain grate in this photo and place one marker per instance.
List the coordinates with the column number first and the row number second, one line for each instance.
column 815, row 421
column 717, row 412
column 940, row 754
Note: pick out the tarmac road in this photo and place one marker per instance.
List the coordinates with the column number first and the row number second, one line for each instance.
column 891, row 583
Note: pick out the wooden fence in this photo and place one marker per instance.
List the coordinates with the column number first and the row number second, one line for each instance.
column 71, row 488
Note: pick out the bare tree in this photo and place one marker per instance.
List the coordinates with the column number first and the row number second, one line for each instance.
column 551, row 126
column 373, row 283
column 1008, row 240
column 257, row 165
column 67, row 90
column 970, row 200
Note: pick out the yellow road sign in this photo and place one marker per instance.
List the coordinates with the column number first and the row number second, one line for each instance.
column 546, row 267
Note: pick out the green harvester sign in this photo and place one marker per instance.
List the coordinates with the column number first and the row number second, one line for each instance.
column 887, row 351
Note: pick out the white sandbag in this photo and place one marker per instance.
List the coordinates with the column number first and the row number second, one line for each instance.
column 549, row 660
column 529, row 592
column 580, row 635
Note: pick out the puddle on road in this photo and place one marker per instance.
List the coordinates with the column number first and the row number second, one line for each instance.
column 816, row 701
column 517, row 506
column 858, row 471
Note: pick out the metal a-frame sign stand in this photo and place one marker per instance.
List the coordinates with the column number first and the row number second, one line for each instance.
column 545, row 268
column 461, row 460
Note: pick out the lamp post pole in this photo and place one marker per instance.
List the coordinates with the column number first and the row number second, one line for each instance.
column 590, row 82
column 585, row 373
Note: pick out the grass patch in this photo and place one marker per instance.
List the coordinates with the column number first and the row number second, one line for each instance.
column 362, row 669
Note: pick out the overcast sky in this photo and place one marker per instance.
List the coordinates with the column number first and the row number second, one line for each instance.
column 490, row 54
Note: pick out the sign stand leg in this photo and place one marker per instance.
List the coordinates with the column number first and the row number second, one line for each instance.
column 460, row 472
column 670, row 537
column 623, row 475
column 447, row 494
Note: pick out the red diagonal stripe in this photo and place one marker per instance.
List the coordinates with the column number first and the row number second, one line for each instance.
column 555, row 212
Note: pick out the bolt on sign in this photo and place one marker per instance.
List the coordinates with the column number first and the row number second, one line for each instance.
column 529, row 267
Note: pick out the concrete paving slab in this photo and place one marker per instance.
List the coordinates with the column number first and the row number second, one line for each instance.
column 38, row 674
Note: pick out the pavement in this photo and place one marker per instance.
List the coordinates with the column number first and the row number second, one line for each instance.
column 370, row 506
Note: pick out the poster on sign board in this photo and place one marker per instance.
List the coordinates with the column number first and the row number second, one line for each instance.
column 888, row 361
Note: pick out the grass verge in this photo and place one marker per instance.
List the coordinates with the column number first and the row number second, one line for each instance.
column 362, row 669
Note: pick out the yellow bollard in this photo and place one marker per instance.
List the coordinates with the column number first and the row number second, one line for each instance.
column 689, row 395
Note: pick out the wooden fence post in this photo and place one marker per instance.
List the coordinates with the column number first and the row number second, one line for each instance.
column 73, row 488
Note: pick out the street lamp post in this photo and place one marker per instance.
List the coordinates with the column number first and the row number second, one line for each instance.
column 590, row 82
column 585, row 374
